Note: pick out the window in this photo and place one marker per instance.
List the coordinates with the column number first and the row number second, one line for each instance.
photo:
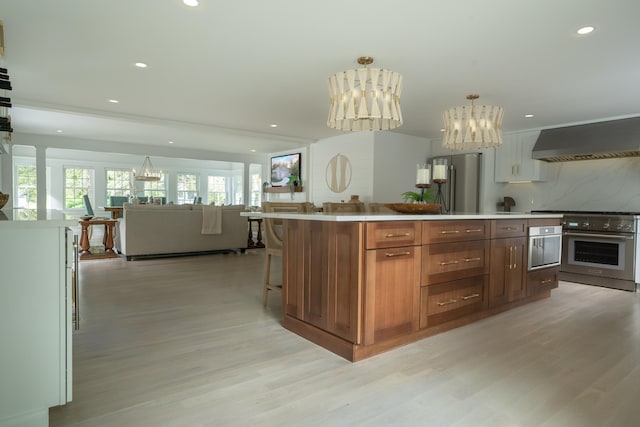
column 255, row 184
column 156, row 188
column 27, row 187
column 216, row 190
column 187, row 187
column 77, row 182
column 118, row 182
column 238, row 191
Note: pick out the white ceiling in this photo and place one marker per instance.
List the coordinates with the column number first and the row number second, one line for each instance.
column 245, row 64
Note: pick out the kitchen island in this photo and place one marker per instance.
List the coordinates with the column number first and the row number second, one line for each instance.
column 361, row 284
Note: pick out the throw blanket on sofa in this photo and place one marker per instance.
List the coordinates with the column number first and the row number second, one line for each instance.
column 211, row 219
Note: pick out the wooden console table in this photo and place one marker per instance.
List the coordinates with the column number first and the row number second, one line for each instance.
column 250, row 242
column 109, row 225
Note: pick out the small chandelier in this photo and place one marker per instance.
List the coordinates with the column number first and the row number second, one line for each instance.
column 147, row 172
column 478, row 126
column 365, row 99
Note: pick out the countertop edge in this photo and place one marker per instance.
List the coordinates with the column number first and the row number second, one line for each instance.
column 351, row 217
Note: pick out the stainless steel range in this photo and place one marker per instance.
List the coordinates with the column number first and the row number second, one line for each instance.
column 601, row 248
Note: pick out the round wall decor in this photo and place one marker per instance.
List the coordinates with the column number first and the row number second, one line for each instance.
column 338, row 173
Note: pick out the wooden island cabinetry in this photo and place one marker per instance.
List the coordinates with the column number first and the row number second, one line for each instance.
column 508, row 246
column 360, row 286
column 455, row 264
column 392, row 278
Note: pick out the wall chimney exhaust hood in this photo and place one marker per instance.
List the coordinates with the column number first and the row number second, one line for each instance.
column 600, row 140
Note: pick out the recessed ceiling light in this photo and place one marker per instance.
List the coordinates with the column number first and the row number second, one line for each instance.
column 585, row 30
column 59, row 131
column 273, row 125
column 192, row 3
column 170, row 142
column 528, row 115
column 113, row 101
column 441, row 130
column 253, row 150
column 141, row 65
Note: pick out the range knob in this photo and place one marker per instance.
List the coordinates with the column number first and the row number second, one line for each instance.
column 620, row 227
column 606, row 226
column 585, row 225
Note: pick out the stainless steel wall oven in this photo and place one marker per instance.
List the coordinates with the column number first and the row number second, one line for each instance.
column 545, row 247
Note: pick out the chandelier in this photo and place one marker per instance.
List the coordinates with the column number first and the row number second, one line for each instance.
column 147, row 172
column 471, row 127
column 365, row 99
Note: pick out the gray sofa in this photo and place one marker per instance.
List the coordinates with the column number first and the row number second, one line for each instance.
column 166, row 230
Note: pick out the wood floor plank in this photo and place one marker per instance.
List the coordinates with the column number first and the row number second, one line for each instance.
column 186, row 342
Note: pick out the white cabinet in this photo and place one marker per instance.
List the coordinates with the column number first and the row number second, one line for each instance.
column 35, row 322
column 513, row 159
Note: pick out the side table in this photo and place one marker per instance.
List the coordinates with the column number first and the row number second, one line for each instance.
column 107, row 241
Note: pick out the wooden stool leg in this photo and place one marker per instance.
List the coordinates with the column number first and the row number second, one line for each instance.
column 267, row 273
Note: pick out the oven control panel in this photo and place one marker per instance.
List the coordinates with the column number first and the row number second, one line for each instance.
column 601, row 223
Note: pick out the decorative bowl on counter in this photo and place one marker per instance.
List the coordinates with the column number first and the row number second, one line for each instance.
column 415, row 208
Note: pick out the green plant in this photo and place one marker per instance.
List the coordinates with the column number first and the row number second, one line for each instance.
column 413, row 197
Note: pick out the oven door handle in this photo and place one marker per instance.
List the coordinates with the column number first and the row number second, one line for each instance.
column 600, row 236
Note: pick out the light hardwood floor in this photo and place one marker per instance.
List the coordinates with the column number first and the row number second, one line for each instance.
column 186, row 342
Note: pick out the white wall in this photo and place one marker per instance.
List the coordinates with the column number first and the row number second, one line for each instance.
column 598, row 185
column 358, row 147
column 396, row 157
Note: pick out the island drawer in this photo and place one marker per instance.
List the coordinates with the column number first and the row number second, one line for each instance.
column 392, row 234
column 508, row 228
column 443, row 302
column 443, row 262
column 454, row 231
column 542, row 280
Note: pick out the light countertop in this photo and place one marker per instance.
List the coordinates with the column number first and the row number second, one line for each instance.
column 370, row 216
column 36, row 218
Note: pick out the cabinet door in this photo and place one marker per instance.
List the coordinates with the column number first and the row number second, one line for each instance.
column 344, row 293
column 294, row 255
column 506, row 282
column 392, row 293
column 514, row 162
column 322, row 273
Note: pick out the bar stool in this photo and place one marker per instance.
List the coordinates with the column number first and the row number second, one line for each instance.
column 273, row 233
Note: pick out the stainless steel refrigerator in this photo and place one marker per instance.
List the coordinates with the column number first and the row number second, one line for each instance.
column 462, row 190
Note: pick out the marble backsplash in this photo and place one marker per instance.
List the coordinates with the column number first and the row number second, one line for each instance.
column 595, row 185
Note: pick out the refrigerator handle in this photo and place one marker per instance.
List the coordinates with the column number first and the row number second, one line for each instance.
column 452, row 189
column 76, row 281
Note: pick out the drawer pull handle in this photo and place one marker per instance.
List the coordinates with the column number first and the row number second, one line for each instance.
column 470, row 296
column 451, row 301
column 542, row 282
column 449, row 231
column 471, row 259
column 448, row 262
column 397, row 254
column 397, row 235
column 509, row 228
column 475, row 230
